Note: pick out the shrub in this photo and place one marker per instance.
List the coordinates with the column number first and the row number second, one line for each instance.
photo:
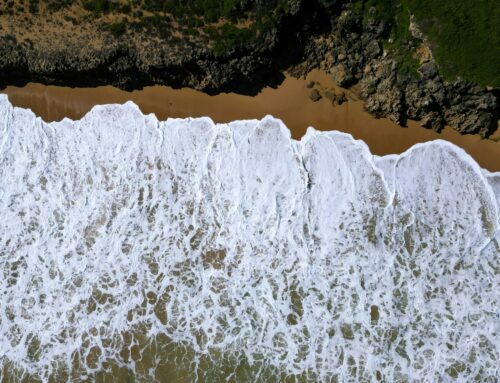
column 117, row 29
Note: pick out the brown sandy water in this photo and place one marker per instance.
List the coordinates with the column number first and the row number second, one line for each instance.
column 289, row 102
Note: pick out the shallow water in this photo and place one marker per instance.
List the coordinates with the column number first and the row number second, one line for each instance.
column 139, row 250
column 290, row 102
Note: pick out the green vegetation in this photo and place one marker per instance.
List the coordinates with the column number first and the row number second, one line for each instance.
column 56, row 5
column 464, row 34
column 211, row 10
column 214, row 10
column 466, row 37
column 117, row 29
column 33, row 6
column 237, row 22
column 224, row 25
column 228, row 37
column 106, row 6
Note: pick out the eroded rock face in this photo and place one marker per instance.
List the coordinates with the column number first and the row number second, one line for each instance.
column 243, row 251
column 315, row 95
column 352, row 54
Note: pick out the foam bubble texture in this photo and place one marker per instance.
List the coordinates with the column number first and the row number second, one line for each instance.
column 311, row 258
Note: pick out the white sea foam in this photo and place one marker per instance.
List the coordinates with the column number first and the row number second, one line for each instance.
column 312, row 257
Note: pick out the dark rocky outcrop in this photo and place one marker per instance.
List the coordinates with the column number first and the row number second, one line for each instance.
column 353, row 55
column 315, row 95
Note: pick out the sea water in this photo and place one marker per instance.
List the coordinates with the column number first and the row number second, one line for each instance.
column 133, row 249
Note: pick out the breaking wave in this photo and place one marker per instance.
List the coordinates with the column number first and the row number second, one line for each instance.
column 188, row 250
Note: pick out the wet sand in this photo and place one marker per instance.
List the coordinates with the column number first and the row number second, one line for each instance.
column 289, row 102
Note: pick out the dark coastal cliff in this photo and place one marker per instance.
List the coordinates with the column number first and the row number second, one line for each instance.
column 244, row 45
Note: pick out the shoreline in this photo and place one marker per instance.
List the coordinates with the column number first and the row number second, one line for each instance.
column 289, row 102
column 79, row 48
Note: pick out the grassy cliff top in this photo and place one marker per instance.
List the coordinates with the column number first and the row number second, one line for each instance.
column 464, row 35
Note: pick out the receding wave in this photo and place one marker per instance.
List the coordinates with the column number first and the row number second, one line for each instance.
column 191, row 251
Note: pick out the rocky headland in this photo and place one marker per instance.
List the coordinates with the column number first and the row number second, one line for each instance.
column 134, row 44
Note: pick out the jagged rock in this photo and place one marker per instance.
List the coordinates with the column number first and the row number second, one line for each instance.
column 373, row 49
column 315, row 95
column 469, row 123
column 341, row 98
column 428, row 70
column 432, row 120
column 341, row 75
column 331, row 96
column 387, row 102
column 437, row 90
column 415, row 29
